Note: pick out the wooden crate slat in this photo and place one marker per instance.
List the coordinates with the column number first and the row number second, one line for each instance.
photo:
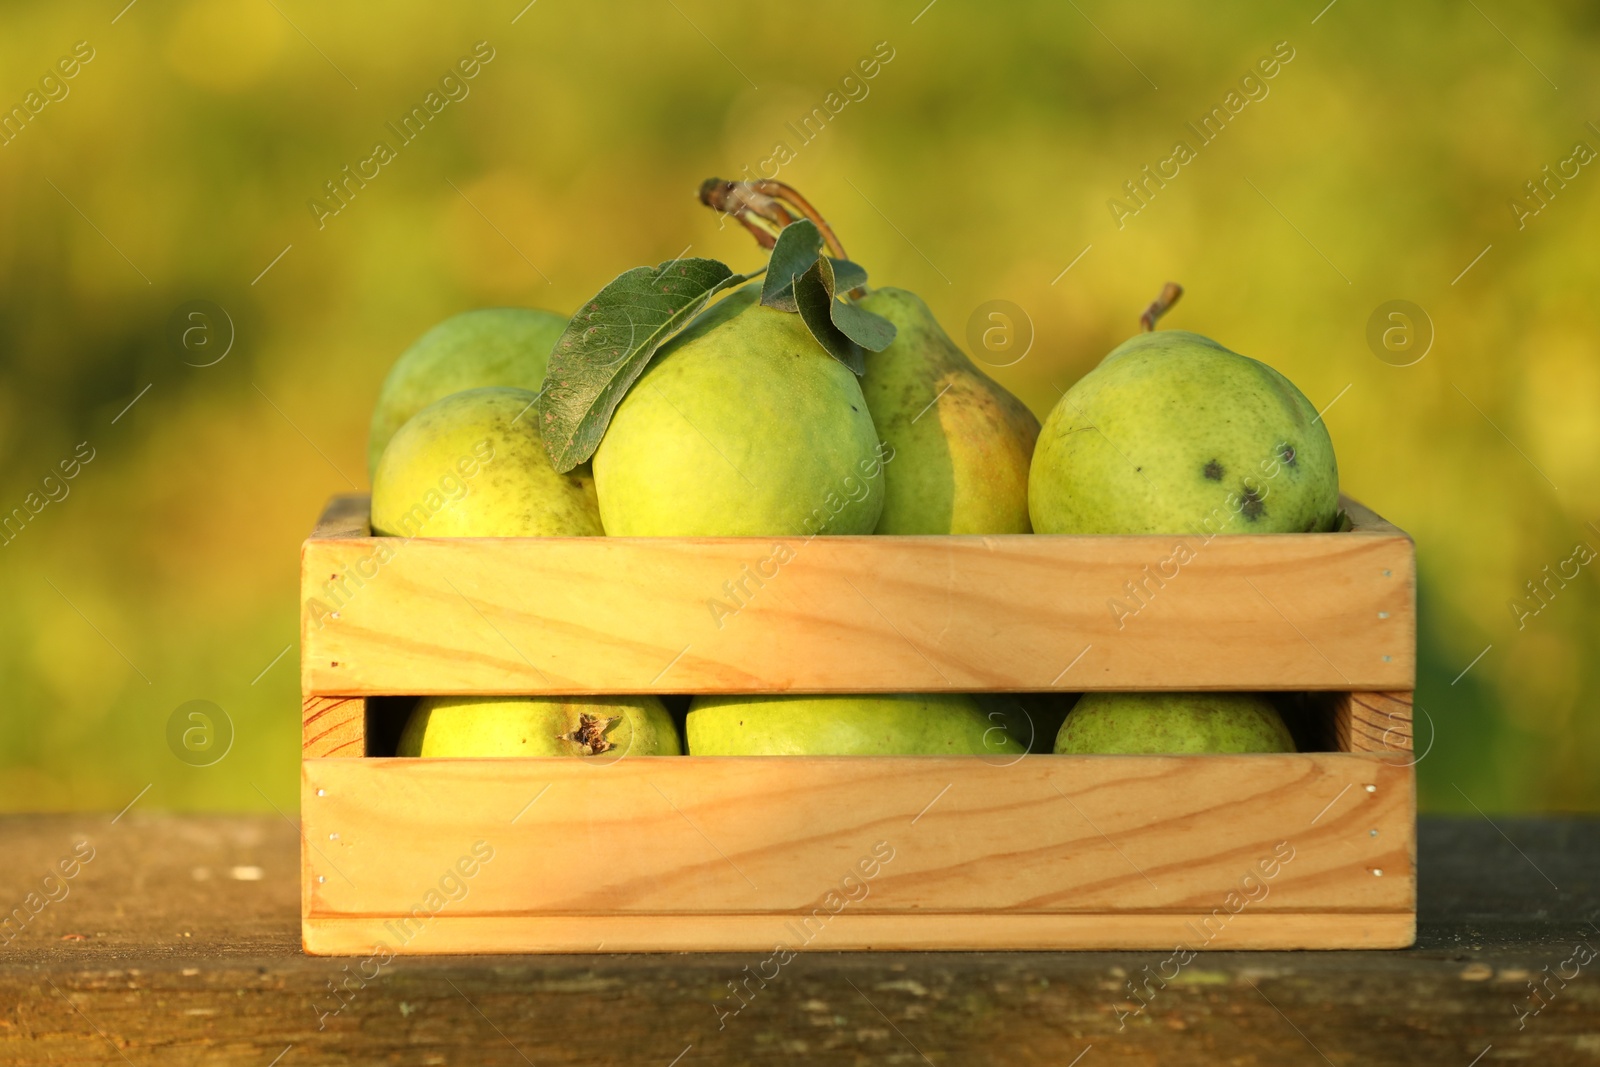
column 743, row 835
column 855, row 614
column 1155, row 932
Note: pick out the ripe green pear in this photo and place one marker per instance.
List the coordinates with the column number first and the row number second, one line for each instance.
column 961, row 442
column 741, row 426
column 1172, row 724
column 472, row 465
column 922, row 724
column 492, row 346
column 609, row 727
column 1174, row 434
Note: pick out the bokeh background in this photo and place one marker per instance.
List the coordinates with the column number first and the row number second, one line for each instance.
column 976, row 166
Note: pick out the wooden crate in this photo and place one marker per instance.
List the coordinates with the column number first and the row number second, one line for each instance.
column 1310, row 850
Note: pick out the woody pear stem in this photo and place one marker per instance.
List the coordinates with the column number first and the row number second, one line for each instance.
column 770, row 201
column 1170, row 294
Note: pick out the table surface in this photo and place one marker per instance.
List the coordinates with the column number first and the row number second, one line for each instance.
column 178, row 943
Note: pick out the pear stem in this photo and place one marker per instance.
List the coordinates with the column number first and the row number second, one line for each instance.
column 766, row 200
column 1170, row 294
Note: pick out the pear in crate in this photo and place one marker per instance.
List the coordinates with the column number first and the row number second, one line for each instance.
column 961, row 442
column 472, row 465
column 472, row 350
column 921, row 724
column 1174, row 434
column 606, row 727
column 742, row 425
column 1150, row 724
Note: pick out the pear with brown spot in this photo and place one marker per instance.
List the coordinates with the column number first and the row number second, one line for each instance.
column 1174, row 434
column 607, row 727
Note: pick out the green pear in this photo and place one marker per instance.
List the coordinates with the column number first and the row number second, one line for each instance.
column 742, row 425
column 493, row 346
column 1172, row 724
column 961, row 442
column 1033, row 719
column 1174, row 434
column 921, row 724
column 611, row 727
column 472, row 465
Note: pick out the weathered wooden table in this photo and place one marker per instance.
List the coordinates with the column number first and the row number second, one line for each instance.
column 178, row 943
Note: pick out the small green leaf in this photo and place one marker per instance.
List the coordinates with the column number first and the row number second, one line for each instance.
column 848, row 275
column 797, row 248
column 843, row 329
column 608, row 344
column 813, row 293
column 872, row 332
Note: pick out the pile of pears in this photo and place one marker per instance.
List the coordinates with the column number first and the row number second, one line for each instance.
column 685, row 400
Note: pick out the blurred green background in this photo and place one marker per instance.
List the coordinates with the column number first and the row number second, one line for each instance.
column 976, row 166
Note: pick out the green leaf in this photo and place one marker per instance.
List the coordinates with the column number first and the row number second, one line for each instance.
column 872, row 332
column 608, row 344
column 843, row 329
column 813, row 293
column 821, row 312
column 848, row 275
column 797, row 248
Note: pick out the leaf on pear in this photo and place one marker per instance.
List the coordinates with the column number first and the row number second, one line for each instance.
column 872, row 332
column 848, row 275
column 843, row 329
column 813, row 292
column 608, row 344
column 797, row 248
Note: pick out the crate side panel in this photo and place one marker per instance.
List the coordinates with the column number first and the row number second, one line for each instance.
column 853, row 931
column 333, row 726
column 857, row 614
column 735, row 835
column 1373, row 722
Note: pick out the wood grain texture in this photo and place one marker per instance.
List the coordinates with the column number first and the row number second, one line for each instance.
column 333, row 726
column 1372, row 722
column 856, row 614
column 514, row 934
column 973, row 845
